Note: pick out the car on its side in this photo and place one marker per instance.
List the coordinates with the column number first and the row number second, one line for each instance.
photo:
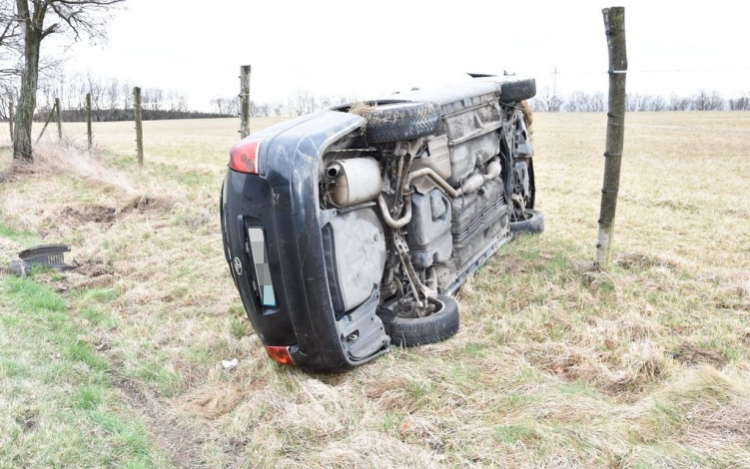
column 350, row 229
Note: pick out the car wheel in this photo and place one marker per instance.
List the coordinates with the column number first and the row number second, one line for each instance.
column 410, row 332
column 402, row 121
column 520, row 90
column 534, row 223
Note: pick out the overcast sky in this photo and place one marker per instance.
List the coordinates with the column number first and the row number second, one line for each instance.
column 362, row 48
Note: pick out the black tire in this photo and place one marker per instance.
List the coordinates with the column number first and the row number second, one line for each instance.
column 534, row 224
column 410, row 332
column 403, row 121
column 520, row 90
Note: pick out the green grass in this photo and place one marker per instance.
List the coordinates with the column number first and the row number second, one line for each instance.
column 21, row 236
column 66, row 381
column 152, row 370
column 239, row 328
column 88, row 398
column 97, row 318
column 510, row 434
column 10, row 368
column 99, row 295
column 79, row 351
column 30, row 297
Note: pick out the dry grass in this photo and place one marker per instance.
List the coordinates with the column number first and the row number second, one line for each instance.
column 361, row 109
column 555, row 365
column 73, row 160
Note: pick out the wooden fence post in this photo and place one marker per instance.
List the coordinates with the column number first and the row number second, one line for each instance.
column 138, row 125
column 88, row 118
column 46, row 123
column 11, row 117
column 59, row 119
column 244, row 101
column 614, row 24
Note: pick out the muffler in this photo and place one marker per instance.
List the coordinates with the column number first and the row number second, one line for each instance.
column 354, row 181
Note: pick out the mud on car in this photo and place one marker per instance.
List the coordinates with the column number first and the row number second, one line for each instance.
column 350, row 229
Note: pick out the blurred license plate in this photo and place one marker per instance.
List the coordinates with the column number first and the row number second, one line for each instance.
column 262, row 268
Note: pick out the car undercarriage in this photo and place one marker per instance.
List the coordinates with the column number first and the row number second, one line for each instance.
column 412, row 194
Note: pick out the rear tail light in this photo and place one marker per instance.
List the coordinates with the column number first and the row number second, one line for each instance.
column 279, row 354
column 243, row 157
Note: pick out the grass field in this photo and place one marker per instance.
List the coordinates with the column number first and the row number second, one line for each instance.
column 118, row 363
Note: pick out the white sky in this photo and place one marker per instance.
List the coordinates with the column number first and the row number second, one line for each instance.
column 362, row 48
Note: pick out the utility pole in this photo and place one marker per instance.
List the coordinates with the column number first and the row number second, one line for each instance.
column 554, row 85
column 244, row 101
column 614, row 25
column 138, row 125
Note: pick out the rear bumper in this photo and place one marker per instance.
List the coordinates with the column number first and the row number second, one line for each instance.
column 283, row 201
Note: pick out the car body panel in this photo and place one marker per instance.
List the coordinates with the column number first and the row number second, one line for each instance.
column 285, row 205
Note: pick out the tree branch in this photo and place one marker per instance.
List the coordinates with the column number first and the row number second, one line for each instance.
column 52, row 29
column 103, row 3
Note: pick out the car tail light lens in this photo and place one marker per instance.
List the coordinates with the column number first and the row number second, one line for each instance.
column 279, row 354
column 243, row 157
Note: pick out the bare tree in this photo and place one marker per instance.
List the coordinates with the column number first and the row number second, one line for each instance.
column 658, row 104
column 127, row 95
column 700, row 100
column 708, row 101
column 277, row 108
column 597, row 103
column 96, row 88
column 177, row 101
column 258, row 109
column 7, row 99
column 172, row 99
column 112, row 91
column 715, row 101
column 220, row 105
column 549, row 102
column 644, row 102
column 155, row 98
column 228, row 106
column 233, row 106
column 678, row 103
column 10, row 43
column 38, row 19
column 302, row 102
column 182, row 103
column 631, row 102
column 576, row 102
column 740, row 103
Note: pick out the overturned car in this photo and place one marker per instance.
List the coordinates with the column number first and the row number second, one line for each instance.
column 350, row 229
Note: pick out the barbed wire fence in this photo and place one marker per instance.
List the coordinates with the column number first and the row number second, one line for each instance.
column 155, row 105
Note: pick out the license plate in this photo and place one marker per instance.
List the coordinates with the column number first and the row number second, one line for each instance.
column 257, row 238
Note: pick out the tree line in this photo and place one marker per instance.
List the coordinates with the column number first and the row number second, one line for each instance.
column 303, row 102
column 111, row 99
column 580, row 101
column 297, row 104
